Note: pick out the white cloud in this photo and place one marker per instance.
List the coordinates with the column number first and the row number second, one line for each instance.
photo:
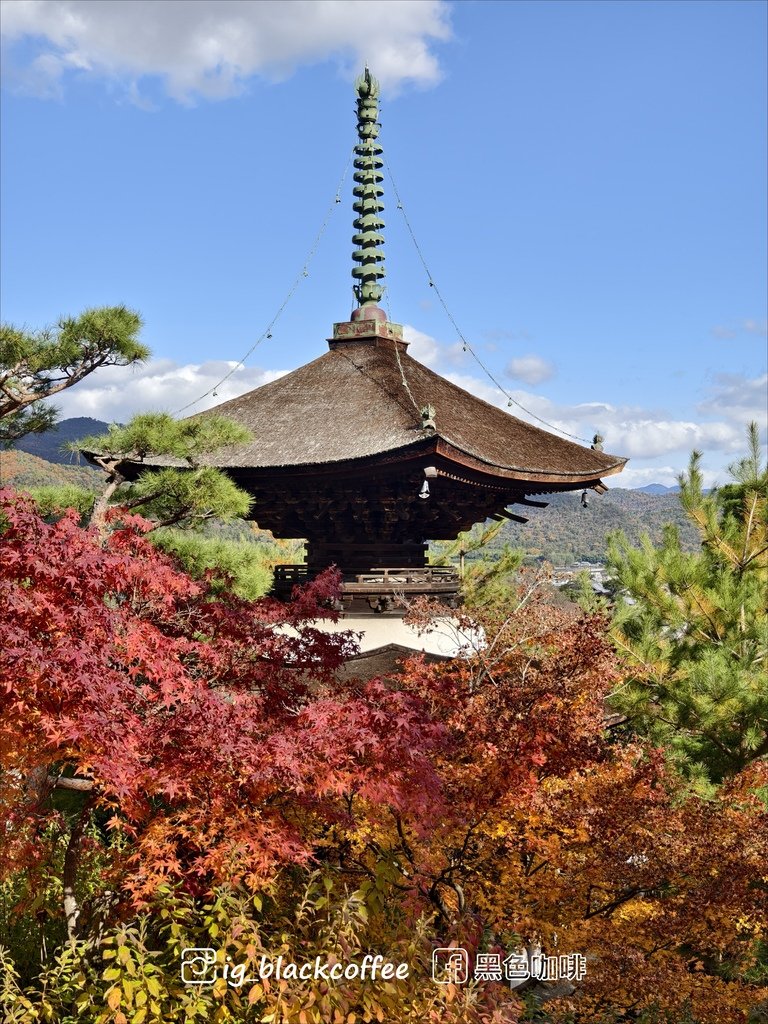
column 210, row 48
column 739, row 398
column 115, row 393
column 421, row 346
column 638, row 437
column 531, row 369
column 631, row 431
column 431, row 352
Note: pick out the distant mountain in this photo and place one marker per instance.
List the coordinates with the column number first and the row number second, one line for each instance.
column 565, row 532
column 48, row 445
column 657, row 489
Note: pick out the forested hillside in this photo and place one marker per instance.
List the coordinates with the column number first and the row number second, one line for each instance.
column 565, row 532
column 23, row 471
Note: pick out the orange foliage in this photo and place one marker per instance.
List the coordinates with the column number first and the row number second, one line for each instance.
column 554, row 835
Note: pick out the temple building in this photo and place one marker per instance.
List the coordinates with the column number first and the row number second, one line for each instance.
column 368, row 454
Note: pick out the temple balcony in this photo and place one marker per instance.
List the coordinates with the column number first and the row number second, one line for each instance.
column 378, row 590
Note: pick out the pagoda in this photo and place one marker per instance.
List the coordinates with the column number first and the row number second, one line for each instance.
column 368, row 454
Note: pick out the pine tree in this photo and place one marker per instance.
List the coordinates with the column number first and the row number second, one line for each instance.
column 175, row 501
column 34, row 366
column 694, row 629
column 184, row 492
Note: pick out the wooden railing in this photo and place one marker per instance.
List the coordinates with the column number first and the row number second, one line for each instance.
column 430, row 575
column 293, row 574
column 429, row 578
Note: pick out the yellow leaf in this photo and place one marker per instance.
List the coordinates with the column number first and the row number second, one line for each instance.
column 113, row 998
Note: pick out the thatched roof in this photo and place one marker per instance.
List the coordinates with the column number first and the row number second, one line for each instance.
column 351, row 404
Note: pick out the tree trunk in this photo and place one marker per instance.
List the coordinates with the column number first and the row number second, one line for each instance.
column 101, row 506
column 71, row 864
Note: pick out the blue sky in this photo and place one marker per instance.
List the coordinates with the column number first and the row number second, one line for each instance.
column 587, row 183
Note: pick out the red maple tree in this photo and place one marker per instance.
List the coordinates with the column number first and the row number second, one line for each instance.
column 209, row 730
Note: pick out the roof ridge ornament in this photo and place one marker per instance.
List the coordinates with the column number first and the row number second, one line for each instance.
column 368, row 191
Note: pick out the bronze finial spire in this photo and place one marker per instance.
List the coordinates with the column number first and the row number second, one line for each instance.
column 368, row 192
column 368, row 322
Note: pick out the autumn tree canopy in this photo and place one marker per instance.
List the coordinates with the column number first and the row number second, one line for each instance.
column 188, row 720
column 223, row 789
